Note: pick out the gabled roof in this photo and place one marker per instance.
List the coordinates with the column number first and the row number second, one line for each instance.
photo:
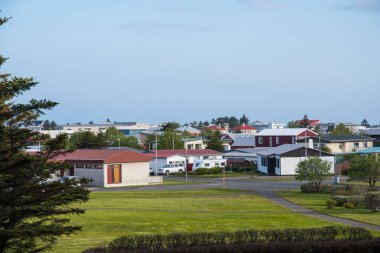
column 244, row 140
column 280, row 149
column 189, row 129
column 215, row 127
column 344, row 138
column 103, row 156
column 284, row 132
column 244, row 127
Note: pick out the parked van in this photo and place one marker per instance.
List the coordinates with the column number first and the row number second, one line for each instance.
column 209, row 163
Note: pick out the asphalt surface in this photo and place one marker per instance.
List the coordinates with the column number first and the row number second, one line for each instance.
column 266, row 189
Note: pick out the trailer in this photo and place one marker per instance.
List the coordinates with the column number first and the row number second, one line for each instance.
column 209, row 163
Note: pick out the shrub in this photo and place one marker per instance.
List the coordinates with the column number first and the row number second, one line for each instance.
column 330, row 203
column 157, row 243
column 206, row 171
column 349, row 205
column 357, row 200
column 311, row 188
column 340, row 199
column 372, row 201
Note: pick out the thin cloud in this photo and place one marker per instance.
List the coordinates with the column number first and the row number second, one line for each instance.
column 361, row 5
column 150, row 27
column 264, row 4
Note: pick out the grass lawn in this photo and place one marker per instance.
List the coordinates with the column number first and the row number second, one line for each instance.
column 112, row 214
column 317, row 202
column 274, row 178
column 220, row 175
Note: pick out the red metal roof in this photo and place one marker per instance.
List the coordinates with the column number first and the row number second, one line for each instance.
column 246, row 127
column 104, row 156
column 310, row 122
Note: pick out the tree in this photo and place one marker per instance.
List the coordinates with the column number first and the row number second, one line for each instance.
column 244, row 120
column 215, row 142
column 170, row 125
column 326, row 149
column 113, row 136
column 305, row 122
column 53, row 125
column 341, row 129
column 366, row 168
column 293, row 124
column 365, row 123
column 46, row 125
column 313, row 170
column 87, row 139
column 170, row 140
column 33, row 214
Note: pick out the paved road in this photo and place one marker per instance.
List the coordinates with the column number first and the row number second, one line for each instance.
column 266, row 189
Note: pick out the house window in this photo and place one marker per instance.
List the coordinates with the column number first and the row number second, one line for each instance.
column 260, row 140
column 189, row 146
column 365, row 144
column 207, row 164
column 114, row 174
column 79, row 165
column 356, row 144
column 340, row 146
column 206, row 157
column 277, row 140
column 223, row 164
column 264, row 161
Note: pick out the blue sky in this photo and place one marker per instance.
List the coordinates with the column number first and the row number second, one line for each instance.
column 159, row 60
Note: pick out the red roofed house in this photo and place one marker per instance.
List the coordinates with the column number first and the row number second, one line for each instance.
column 219, row 128
column 108, row 168
column 278, row 137
column 245, row 129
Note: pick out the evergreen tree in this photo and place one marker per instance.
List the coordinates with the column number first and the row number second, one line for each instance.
column 365, row 123
column 305, row 122
column 215, row 142
column 244, row 120
column 32, row 213
column 341, row 129
column 53, row 125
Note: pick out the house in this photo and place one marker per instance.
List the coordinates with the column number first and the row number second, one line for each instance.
column 193, row 131
column 310, row 122
column 277, row 137
column 127, row 128
column 238, row 141
column 343, row 143
column 244, row 129
column 190, row 155
column 267, row 125
column 374, row 133
column 327, row 128
column 248, row 154
column 194, row 143
column 221, row 129
column 283, row 160
column 108, row 168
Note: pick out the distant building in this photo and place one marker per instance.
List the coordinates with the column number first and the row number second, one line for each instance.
column 267, row 125
column 238, row 141
column 374, row 133
column 344, row 143
column 278, row 137
column 283, row 160
column 193, row 131
column 244, row 129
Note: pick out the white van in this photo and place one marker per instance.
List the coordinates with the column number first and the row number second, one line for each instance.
column 209, row 163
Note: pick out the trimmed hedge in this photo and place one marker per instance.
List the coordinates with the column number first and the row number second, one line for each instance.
column 206, row 171
column 157, row 243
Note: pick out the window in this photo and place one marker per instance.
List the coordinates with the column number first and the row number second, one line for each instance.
column 277, row 140
column 223, row 164
column 205, row 157
column 216, row 164
column 114, row 174
column 207, row 164
column 340, row 146
column 260, row 140
column 365, row 144
column 264, row 161
column 170, row 162
column 80, row 165
column 189, row 146
column 356, row 144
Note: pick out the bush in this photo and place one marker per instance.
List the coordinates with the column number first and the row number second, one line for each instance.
column 340, row 199
column 356, row 200
column 242, row 169
column 311, row 188
column 157, row 243
column 372, row 201
column 349, row 205
column 330, row 203
column 205, row 171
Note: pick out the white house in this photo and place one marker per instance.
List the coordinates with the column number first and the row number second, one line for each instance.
column 108, row 168
column 283, row 160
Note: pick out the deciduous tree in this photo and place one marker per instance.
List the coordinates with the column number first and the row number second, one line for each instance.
column 366, row 168
column 313, row 170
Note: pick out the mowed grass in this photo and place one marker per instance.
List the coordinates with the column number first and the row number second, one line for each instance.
column 317, row 202
column 113, row 214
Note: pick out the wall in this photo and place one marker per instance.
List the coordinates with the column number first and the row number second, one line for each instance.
column 261, row 168
column 131, row 174
column 288, row 164
column 95, row 174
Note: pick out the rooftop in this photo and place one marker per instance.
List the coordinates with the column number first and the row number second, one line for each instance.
column 344, row 138
column 284, row 132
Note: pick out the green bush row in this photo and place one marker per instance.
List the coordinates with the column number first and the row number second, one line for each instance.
column 155, row 243
column 206, row 171
column 370, row 201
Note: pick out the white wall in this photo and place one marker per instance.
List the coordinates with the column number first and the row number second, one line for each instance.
column 261, row 168
column 288, row 164
column 131, row 174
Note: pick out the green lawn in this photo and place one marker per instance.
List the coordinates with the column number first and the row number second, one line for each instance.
column 317, row 202
column 112, row 214
column 220, row 175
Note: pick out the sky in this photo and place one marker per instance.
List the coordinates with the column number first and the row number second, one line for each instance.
column 165, row 60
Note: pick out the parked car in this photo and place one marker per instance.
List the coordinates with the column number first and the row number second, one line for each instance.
column 151, row 171
column 171, row 169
